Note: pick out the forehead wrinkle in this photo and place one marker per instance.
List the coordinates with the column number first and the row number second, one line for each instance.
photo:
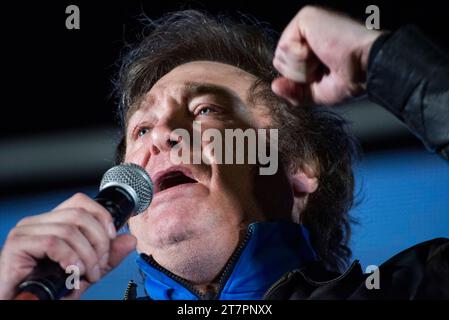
column 192, row 89
column 176, row 91
column 188, row 90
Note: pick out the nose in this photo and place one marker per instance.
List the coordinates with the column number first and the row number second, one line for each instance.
column 168, row 115
column 163, row 137
column 160, row 140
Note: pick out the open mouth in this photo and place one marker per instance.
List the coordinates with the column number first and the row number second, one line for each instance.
column 172, row 179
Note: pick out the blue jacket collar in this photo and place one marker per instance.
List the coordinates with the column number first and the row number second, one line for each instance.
column 269, row 251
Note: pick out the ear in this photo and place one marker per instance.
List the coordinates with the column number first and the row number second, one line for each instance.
column 303, row 181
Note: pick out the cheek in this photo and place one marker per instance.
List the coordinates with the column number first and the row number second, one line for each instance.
column 129, row 153
column 233, row 186
column 236, row 177
column 134, row 153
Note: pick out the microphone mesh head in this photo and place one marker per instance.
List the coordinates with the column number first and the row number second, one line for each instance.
column 134, row 177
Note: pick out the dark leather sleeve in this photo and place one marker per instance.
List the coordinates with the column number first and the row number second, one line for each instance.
column 419, row 272
column 409, row 76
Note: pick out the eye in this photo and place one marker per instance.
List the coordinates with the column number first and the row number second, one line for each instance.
column 140, row 132
column 206, row 110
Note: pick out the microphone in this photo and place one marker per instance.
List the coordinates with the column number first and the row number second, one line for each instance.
column 125, row 190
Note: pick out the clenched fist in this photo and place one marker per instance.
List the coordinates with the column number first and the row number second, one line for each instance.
column 322, row 57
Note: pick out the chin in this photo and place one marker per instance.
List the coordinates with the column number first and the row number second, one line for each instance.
column 171, row 231
column 176, row 234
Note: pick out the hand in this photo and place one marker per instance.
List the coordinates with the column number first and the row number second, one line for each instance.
column 323, row 57
column 77, row 232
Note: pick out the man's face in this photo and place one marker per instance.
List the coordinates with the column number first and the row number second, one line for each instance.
column 197, row 209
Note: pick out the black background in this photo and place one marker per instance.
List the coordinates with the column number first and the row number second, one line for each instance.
column 57, row 79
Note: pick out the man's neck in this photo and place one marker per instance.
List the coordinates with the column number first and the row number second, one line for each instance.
column 210, row 289
column 272, row 249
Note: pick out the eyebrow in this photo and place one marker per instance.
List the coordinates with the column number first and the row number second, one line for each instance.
column 201, row 88
column 193, row 89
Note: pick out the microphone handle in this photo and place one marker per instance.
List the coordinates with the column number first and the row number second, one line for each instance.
column 48, row 280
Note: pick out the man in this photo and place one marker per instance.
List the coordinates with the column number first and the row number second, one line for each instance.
column 222, row 231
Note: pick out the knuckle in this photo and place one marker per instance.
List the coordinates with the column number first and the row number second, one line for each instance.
column 51, row 242
column 308, row 12
column 79, row 196
column 12, row 235
column 68, row 231
column 309, row 8
column 24, row 221
column 105, row 217
column 78, row 213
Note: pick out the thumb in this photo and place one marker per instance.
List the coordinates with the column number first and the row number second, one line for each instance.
column 298, row 94
column 121, row 246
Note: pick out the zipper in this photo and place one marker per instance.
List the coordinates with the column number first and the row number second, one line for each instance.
column 281, row 281
column 225, row 274
column 131, row 291
column 150, row 260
